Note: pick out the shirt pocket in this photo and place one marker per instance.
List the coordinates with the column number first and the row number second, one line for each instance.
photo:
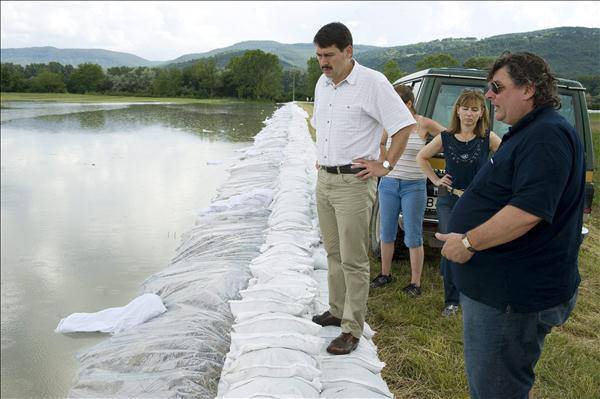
column 347, row 118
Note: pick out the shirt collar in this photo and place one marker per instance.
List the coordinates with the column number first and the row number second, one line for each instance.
column 350, row 79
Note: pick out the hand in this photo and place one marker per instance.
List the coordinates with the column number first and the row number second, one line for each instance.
column 372, row 169
column 453, row 249
column 445, row 181
column 317, row 165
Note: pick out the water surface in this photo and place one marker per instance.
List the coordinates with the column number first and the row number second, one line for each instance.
column 94, row 199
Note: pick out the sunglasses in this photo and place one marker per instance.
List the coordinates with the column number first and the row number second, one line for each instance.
column 495, row 87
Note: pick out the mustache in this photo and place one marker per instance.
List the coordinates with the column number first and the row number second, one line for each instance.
column 326, row 67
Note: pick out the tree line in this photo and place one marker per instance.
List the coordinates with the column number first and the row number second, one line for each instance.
column 253, row 75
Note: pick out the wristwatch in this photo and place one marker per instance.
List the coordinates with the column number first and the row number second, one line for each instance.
column 388, row 165
column 467, row 244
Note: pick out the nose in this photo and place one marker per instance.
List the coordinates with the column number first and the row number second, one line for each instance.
column 489, row 94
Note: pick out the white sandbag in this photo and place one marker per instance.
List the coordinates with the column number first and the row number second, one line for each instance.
column 266, row 387
column 243, row 343
column 284, row 293
column 320, row 259
column 114, row 320
column 267, row 305
column 350, row 391
column 341, row 374
column 273, row 322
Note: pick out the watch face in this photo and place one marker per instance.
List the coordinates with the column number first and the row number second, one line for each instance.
column 386, row 164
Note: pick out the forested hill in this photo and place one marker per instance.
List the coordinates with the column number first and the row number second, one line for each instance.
column 73, row 56
column 571, row 52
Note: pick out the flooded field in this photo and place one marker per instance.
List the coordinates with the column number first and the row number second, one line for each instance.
column 94, row 200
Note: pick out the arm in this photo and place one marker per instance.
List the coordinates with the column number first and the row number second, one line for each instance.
column 430, row 126
column 494, row 141
column 382, row 148
column 508, row 224
column 435, row 146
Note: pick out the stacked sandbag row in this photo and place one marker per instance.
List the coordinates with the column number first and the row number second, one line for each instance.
column 274, row 344
column 181, row 353
column 276, row 350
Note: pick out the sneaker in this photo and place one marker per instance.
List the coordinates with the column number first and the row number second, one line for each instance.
column 412, row 290
column 450, row 310
column 381, row 280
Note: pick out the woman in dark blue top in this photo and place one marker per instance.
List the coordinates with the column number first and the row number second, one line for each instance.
column 466, row 146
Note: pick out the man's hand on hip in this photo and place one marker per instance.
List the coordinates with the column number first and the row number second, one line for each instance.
column 372, row 169
column 454, row 249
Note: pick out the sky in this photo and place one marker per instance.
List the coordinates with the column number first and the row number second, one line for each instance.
column 160, row 31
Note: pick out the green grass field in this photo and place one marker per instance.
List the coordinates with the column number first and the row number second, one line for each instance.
column 423, row 351
column 95, row 98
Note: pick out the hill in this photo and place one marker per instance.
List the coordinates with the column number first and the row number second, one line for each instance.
column 73, row 56
column 291, row 55
column 571, row 51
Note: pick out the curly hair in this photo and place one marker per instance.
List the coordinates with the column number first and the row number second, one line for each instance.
column 527, row 68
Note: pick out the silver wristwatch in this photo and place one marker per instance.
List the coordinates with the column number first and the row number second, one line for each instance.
column 388, row 165
column 467, row 244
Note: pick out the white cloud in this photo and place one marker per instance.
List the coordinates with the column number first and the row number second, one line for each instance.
column 166, row 30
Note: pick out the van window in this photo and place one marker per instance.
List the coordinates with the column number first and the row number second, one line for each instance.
column 445, row 100
column 415, row 89
column 567, row 110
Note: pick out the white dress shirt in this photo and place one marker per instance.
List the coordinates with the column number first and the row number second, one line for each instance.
column 350, row 117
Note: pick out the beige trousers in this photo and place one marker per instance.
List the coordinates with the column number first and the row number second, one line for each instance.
column 344, row 206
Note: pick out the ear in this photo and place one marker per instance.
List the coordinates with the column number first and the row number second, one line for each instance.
column 409, row 104
column 528, row 92
column 349, row 51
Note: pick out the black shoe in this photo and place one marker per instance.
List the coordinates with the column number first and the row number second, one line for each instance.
column 412, row 290
column 381, row 280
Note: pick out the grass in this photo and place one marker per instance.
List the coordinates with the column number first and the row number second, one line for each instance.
column 423, row 351
column 96, row 98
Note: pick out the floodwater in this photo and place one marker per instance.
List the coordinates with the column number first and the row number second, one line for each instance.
column 94, row 199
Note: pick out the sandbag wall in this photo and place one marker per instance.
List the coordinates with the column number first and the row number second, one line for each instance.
column 181, row 353
column 276, row 351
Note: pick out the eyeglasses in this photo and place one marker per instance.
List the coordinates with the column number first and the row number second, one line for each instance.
column 495, row 87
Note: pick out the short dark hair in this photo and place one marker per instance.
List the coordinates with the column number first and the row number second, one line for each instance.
column 333, row 34
column 527, row 68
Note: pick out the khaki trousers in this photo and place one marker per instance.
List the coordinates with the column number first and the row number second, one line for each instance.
column 344, row 206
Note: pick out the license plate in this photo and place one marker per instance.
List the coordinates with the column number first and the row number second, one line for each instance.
column 431, row 201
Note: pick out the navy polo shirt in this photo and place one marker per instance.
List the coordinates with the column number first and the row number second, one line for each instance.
column 538, row 168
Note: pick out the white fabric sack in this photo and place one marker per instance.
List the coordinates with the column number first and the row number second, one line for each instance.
column 284, row 293
column 267, row 305
column 342, row 374
column 114, row 320
column 243, row 343
column 266, row 387
column 320, row 259
column 272, row 322
column 350, row 391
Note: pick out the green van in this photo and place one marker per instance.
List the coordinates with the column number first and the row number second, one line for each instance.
column 436, row 91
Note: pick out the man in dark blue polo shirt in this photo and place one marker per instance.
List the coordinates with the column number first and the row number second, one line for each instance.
column 516, row 232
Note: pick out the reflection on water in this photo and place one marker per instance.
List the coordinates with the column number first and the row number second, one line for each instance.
column 92, row 203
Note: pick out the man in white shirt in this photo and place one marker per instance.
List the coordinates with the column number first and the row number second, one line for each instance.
column 353, row 104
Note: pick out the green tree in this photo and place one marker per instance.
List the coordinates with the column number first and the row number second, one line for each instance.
column 438, row 60
column 257, row 75
column 479, row 62
column 313, row 74
column 12, row 77
column 86, row 78
column 48, row 82
column 392, row 71
column 168, row 82
column 202, row 78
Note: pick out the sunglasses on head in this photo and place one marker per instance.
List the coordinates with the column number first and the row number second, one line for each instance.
column 495, row 87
